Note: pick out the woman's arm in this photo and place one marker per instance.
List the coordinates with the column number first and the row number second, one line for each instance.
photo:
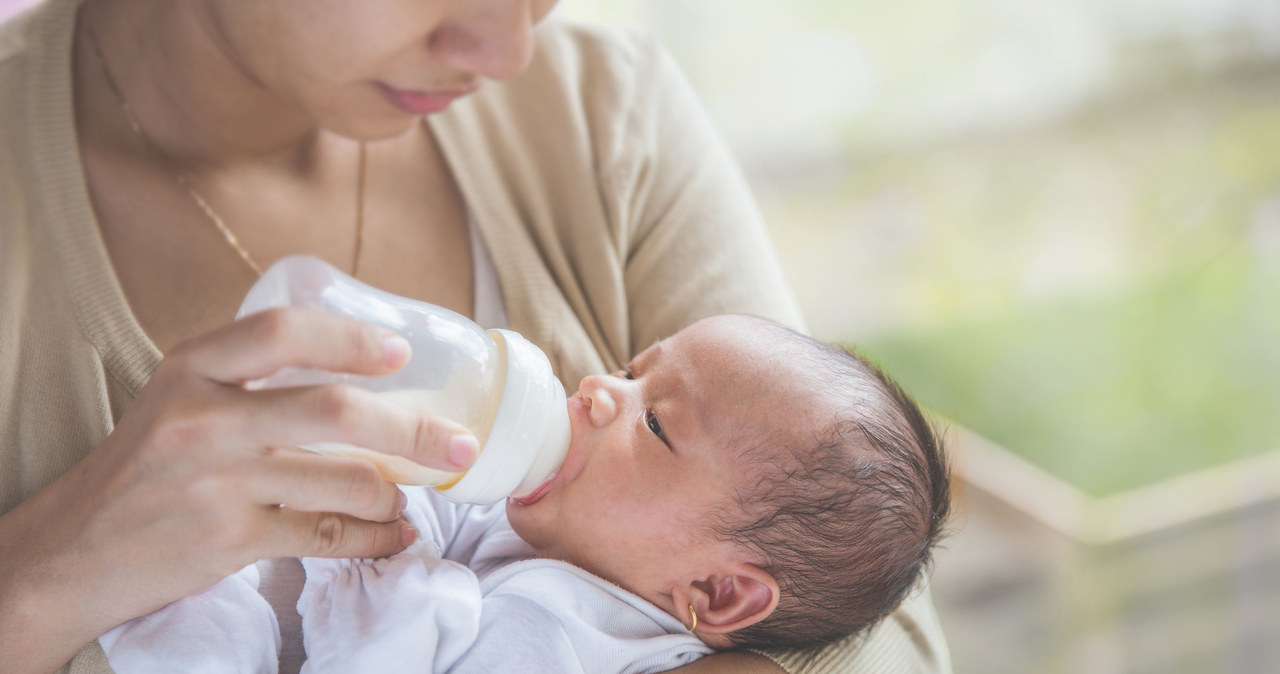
column 186, row 489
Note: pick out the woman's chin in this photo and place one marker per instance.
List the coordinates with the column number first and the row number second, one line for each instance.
column 371, row 128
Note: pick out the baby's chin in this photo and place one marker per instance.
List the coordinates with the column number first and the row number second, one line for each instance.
column 538, row 528
column 528, row 525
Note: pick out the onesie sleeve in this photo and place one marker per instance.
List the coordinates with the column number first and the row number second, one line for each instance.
column 550, row 616
column 412, row 613
column 226, row 628
column 408, row 613
column 417, row 611
column 519, row 631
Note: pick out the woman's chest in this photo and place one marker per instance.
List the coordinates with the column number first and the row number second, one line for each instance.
column 183, row 254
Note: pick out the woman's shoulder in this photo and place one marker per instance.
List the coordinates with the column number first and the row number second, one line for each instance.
column 593, row 46
column 33, row 63
column 27, row 73
column 15, row 134
column 580, row 73
column 13, row 31
column 609, row 64
column 590, row 105
column 16, row 28
column 14, row 45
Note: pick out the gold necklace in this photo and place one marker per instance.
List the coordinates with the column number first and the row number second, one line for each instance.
column 185, row 183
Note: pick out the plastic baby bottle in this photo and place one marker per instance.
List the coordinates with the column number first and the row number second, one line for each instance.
column 496, row 382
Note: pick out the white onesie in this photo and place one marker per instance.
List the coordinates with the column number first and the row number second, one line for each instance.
column 467, row 597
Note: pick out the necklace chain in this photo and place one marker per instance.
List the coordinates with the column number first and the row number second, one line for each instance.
column 185, row 182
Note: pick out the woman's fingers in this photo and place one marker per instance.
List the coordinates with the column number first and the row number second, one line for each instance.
column 301, row 480
column 196, row 419
column 258, row 345
column 345, row 414
column 306, row 534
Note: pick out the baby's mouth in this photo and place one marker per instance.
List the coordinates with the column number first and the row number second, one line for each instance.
column 537, row 493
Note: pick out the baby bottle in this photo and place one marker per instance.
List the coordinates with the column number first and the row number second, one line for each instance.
column 496, row 382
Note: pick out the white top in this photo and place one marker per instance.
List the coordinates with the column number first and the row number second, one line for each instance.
column 467, row 597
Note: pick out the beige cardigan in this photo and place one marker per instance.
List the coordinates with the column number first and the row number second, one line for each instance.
column 613, row 214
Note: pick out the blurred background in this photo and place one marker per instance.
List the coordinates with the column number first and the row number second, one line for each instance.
column 1057, row 222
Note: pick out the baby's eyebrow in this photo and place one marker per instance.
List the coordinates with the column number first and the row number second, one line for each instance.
column 645, row 354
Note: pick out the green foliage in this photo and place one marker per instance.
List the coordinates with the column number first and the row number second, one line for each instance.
column 1099, row 295
column 1115, row 392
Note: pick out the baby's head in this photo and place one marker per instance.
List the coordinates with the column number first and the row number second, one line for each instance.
column 783, row 489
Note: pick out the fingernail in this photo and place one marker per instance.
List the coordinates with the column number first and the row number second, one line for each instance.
column 404, row 503
column 396, row 349
column 407, row 535
column 463, row 450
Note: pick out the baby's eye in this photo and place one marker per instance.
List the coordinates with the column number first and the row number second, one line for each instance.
column 626, row 373
column 651, row 422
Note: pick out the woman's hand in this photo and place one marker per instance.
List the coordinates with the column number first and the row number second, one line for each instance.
column 202, row 477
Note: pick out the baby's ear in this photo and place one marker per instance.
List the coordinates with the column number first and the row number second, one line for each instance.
column 743, row 596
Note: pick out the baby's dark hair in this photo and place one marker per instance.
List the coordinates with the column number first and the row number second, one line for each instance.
column 848, row 521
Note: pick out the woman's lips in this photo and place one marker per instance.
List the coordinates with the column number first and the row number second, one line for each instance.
column 421, row 102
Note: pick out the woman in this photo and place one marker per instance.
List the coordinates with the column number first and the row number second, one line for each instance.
column 155, row 156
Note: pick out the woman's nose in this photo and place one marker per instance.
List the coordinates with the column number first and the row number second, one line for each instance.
column 605, row 396
column 491, row 38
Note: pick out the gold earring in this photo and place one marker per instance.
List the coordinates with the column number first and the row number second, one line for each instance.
column 694, row 626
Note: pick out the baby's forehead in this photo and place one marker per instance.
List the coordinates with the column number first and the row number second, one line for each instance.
column 750, row 344
column 758, row 358
column 767, row 407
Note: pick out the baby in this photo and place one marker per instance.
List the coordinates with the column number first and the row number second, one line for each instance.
column 739, row 485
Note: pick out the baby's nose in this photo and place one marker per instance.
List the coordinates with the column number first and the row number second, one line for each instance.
column 601, row 396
